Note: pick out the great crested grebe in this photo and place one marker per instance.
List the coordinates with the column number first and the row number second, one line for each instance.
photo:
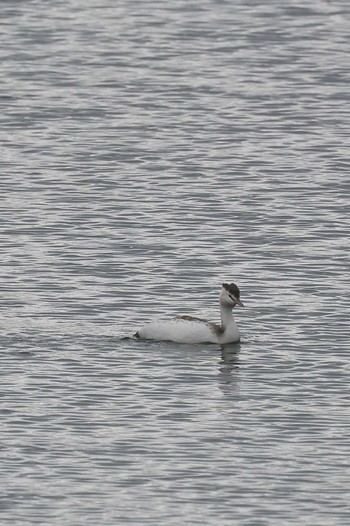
column 187, row 329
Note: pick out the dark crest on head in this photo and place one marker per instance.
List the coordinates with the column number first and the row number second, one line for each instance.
column 232, row 289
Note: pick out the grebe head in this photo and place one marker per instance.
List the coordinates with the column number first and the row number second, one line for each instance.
column 229, row 295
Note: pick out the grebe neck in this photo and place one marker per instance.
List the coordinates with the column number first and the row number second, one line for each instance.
column 227, row 319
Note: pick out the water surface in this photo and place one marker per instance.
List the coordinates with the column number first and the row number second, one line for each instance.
column 151, row 151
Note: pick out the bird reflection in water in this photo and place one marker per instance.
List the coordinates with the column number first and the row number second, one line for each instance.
column 229, row 363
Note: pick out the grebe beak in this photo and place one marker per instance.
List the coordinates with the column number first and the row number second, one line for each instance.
column 238, row 302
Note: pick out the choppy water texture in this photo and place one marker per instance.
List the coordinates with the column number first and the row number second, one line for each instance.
column 150, row 151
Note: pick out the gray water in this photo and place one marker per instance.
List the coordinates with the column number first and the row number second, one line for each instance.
column 149, row 152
